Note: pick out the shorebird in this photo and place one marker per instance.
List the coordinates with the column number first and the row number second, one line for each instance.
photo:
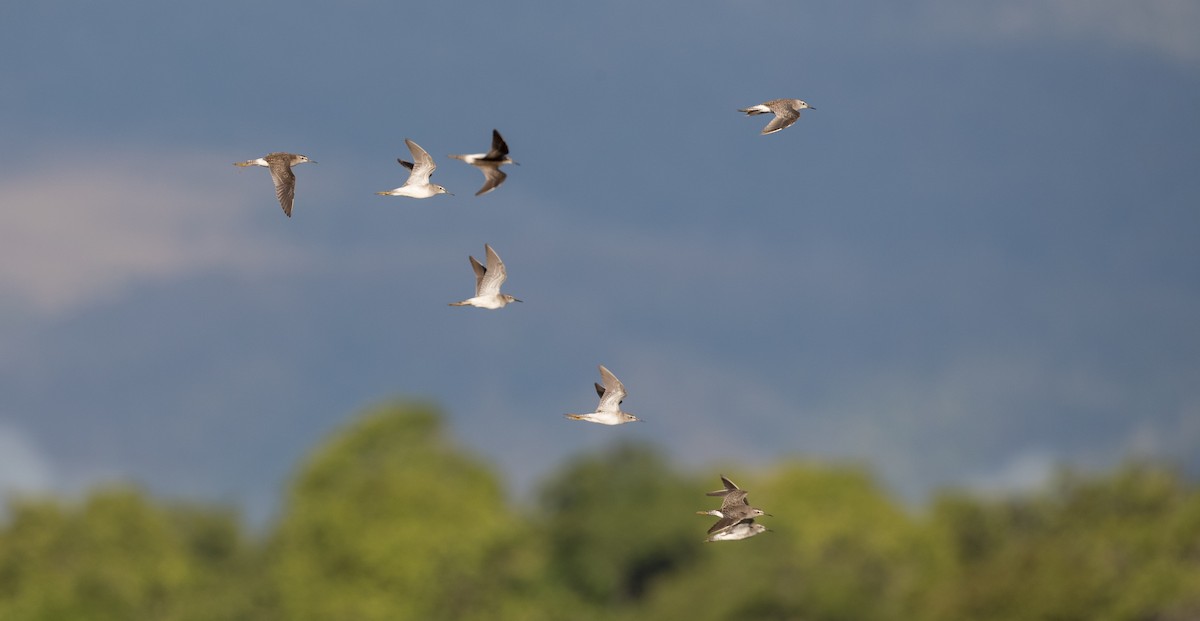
column 742, row 530
column 608, row 412
column 489, row 163
column 421, row 168
column 487, row 283
column 281, row 173
column 735, row 507
column 786, row 112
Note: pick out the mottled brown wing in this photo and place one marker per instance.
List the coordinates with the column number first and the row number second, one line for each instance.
column 285, row 185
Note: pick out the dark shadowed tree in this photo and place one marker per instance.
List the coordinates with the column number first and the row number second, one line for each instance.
column 619, row 522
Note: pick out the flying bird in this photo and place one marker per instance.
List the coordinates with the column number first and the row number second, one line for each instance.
column 742, row 530
column 489, row 163
column 786, row 112
column 735, row 508
column 608, row 412
column 417, row 185
column 280, row 165
column 487, row 283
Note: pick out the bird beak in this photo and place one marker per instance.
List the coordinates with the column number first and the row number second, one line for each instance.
column 516, row 300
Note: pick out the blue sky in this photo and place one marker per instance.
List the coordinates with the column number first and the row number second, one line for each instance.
column 974, row 260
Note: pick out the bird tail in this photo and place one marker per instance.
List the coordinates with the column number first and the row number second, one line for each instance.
column 246, row 163
column 463, row 303
column 753, row 110
column 575, row 416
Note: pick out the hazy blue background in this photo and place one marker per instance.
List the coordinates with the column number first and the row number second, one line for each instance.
column 976, row 259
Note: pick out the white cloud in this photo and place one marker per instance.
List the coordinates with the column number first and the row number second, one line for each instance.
column 73, row 233
column 1167, row 27
column 22, row 466
column 1175, row 435
column 1025, row 472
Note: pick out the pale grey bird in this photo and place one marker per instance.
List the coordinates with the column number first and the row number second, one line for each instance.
column 489, row 163
column 417, row 185
column 280, row 165
column 742, row 530
column 735, row 507
column 786, row 112
column 608, row 411
column 487, row 283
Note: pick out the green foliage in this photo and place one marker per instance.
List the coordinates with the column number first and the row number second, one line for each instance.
column 119, row 557
column 1116, row 548
column 617, row 522
column 838, row 548
column 389, row 520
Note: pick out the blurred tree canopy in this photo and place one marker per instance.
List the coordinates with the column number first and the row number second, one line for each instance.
column 388, row 519
column 119, row 556
column 618, row 522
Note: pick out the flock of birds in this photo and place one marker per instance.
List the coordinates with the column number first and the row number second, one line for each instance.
column 736, row 515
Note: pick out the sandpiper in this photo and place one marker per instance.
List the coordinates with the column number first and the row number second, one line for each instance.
column 281, row 173
column 735, row 507
column 742, row 530
column 421, row 168
column 487, row 283
column 608, row 412
column 489, row 163
column 786, row 112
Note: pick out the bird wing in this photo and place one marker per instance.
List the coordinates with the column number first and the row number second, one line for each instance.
column 730, row 486
column 733, row 499
column 600, row 391
column 784, row 117
column 499, row 147
column 480, row 273
column 423, row 165
column 493, row 177
column 490, row 284
column 285, row 184
column 725, row 523
column 614, row 392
